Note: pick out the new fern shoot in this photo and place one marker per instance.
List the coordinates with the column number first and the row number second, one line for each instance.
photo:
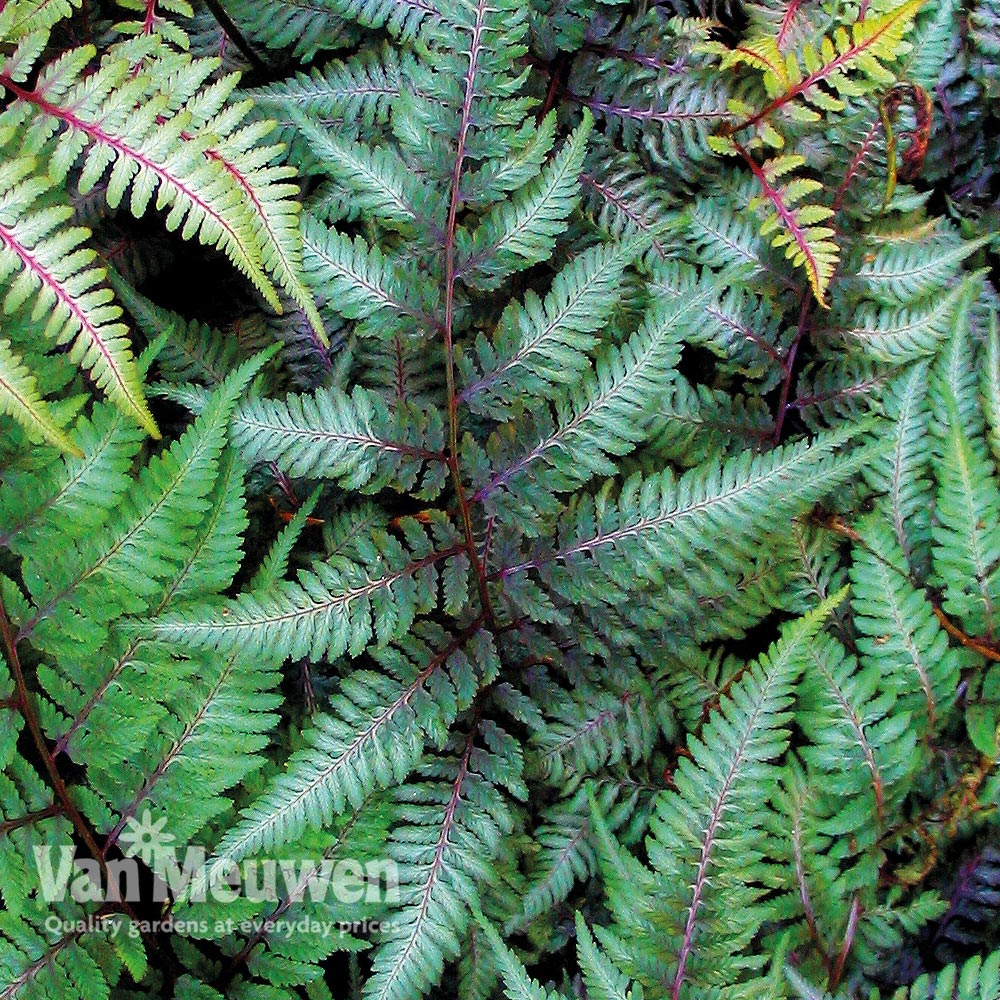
column 499, row 500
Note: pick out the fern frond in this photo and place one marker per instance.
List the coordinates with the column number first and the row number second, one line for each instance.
column 354, row 95
column 724, row 239
column 467, row 90
column 29, row 817
column 566, row 851
column 650, row 109
column 965, row 533
column 544, row 342
column 40, row 963
column 266, row 189
column 103, row 697
column 799, row 230
column 522, row 164
column 683, row 119
column 304, row 28
column 98, row 577
column 603, row 980
column 20, row 398
column 76, row 496
column 399, row 18
column 602, row 415
column 453, row 820
column 377, row 587
column 900, row 273
column 468, row 588
column 690, row 423
column 361, row 283
column 210, row 743
column 715, row 821
column 21, row 18
column 976, row 979
column 274, row 565
column 371, row 738
column 627, row 198
column 843, row 388
column 660, row 521
column 897, row 627
column 860, row 747
column 153, row 20
column 744, row 329
column 211, row 724
column 354, row 439
column 609, row 728
column 43, row 261
column 517, row 234
column 973, row 913
column 218, row 182
column 964, row 561
column 897, row 335
column 902, row 474
column 373, row 182
column 990, row 385
column 518, row 985
column 871, row 43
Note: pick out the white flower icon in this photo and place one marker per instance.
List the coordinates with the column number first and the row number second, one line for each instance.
column 145, row 838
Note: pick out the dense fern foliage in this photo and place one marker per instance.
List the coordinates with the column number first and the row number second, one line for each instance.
column 499, row 499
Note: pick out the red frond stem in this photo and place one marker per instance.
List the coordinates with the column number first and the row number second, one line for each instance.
column 977, row 645
column 786, row 385
column 846, row 945
column 399, row 369
column 489, row 541
column 786, row 22
column 556, row 73
column 475, row 47
column 758, row 57
column 804, row 898
column 63, row 798
column 10, row 825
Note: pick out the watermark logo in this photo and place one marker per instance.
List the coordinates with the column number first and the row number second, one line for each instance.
column 150, row 848
column 145, row 839
column 117, row 925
